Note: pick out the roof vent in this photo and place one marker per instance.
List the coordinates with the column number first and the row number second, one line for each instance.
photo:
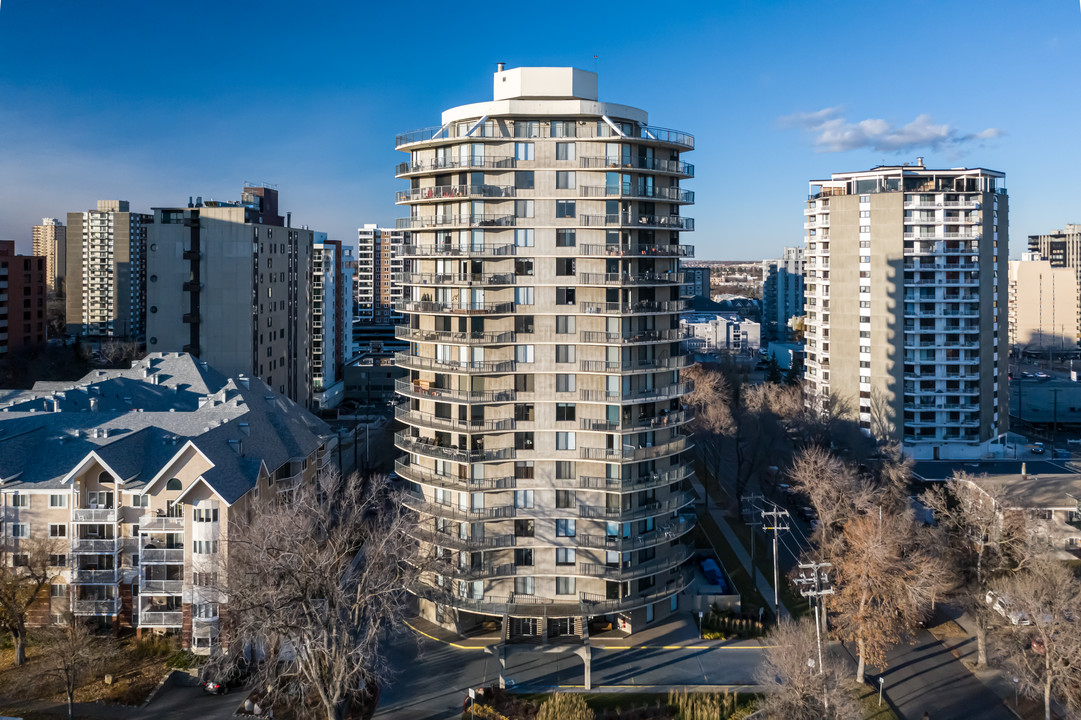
column 93, row 404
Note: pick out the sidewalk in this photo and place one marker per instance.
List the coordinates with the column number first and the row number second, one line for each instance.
column 741, row 552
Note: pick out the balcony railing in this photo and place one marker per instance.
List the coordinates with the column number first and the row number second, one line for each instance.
column 636, row 483
column 412, row 362
column 149, row 556
column 424, row 476
column 663, row 222
column 665, row 532
column 675, row 167
column 667, row 278
column 626, row 452
column 655, row 250
column 405, row 332
column 457, row 512
column 507, row 131
column 161, row 523
column 674, row 193
column 161, row 619
column 431, row 221
column 663, row 392
column 161, row 587
column 469, row 308
column 93, row 545
column 641, row 336
column 642, row 307
column 94, row 607
column 459, row 250
column 413, row 417
column 429, row 448
column 444, row 192
column 423, row 390
column 675, row 558
column 453, row 163
column 448, row 540
column 94, row 576
column 93, row 515
column 467, row 279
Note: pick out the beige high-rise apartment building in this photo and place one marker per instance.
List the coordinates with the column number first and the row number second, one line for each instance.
column 50, row 242
column 105, row 276
column 1044, row 307
column 1061, row 248
column 545, row 443
column 231, row 283
column 905, row 303
column 379, row 265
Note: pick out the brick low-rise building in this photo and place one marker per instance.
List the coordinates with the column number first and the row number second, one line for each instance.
column 137, row 475
column 22, row 299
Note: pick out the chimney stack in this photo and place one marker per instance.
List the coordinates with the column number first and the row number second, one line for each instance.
column 499, row 67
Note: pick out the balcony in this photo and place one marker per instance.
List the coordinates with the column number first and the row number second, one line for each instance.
column 637, row 483
column 642, row 307
column 93, row 546
column 664, row 392
column 482, row 279
column 428, row 448
column 404, row 332
column 636, row 338
column 673, row 194
column 161, row 619
column 423, row 390
column 471, row 132
column 419, row 419
column 671, row 167
column 161, row 587
column 107, row 577
column 655, row 250
column 445, row 192
column 667, row 278
column 93, row 515
column 413, row 362
column 160, row 523
column 675, row 558
column 440, row 164
column 424, row 476
column 628, row 453
column 435, row 221
column 469, row 308
column 468, row 249
column 662, row 222
column 446, row 540
column 161, row 556
column 665, row 532
column 456, row 512
column 94, row 607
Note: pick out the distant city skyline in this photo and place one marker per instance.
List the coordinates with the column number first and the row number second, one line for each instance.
column 140, row 110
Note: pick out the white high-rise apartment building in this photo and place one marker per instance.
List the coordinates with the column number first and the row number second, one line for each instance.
column 545, row 443
column 379, row 264
column 50, row 242
column 332, row 319
column 906, row 288
column 105, row 276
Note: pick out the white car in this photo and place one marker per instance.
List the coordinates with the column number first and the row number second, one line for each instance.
column 1001, row 604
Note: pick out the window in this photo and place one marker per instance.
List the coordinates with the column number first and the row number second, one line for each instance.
column 523, row 151
column 58, row 501
column 523, row 353
column 523, row 586
column 564, row 353
column 205, row 515
column 20, row 530
column 58, row 530
column 523, row 528
column 565, row 470
column 58, row 560
column 565, row 556
column 523, row 208
column 20, row 501
column 565, row 528
column 174, row 484
column 523, row 324
column 565, row 586
column 565, row 498
column 20, row 560
column 565, row 441
column 523, row 412
column 58, row 591
column 565, row 151
column 565, row 237
column 523, row 500
column 523, row 267
column 564, row 128
column 564, row 179
column 564, row 324
column 565, row 412
column 865, row 213
column 523, row 383
column 523, row 441
column 523, row 179
column 140, row 501
column 564, row 209
column 565, row 266
column 523, row 556
column 523, row 237
column 205, row 547
column 565, row 382
column 565, row 296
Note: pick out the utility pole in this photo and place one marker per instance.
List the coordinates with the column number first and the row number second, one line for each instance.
column 775, row 516
column 752, row 525
column 818, row 579
column 1054, row 427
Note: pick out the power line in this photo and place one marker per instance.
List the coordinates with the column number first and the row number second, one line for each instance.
column 778, row 523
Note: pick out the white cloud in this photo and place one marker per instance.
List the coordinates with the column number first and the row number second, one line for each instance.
column 832, row 132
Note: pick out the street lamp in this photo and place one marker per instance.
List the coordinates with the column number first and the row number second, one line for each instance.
column 881, row 684
column 1016, row 687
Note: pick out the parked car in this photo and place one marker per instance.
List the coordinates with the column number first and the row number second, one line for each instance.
column 1037, row 448
column 220, row 681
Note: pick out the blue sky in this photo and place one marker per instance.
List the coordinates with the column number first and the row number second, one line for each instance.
column 155, row 101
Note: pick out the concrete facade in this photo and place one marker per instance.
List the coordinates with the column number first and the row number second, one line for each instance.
column 1044, row 306
column 544, row 443
column 50, row 242
column 231, row 283
column 379, row 269
column 782, row 293
column 906, row 292
column 332, row 320
column 105, row 275
column 23, row 282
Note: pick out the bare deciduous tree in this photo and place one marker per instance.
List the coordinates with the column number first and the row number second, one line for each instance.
column 24, row 575
column 315, row 581
column 1044, row 648
column 118, row 353
column 836, row 492
column 71, row 651
column 795, row 687
column 886, row 576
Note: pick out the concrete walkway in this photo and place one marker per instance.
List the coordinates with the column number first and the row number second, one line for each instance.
column 763, row 585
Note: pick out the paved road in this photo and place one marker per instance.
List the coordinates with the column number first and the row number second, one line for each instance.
column 433, row 678
column 927, row 677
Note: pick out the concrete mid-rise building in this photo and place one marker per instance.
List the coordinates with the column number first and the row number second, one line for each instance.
column 1044, row 306
column 545, row 443
column 905, row 300
column 231, row 283
column 782, row 293
column 720, row 333
column 23, row 283
column 105, row 275
column 139, row 478
column 697, row 282
column 50, row 242
column 379, row 271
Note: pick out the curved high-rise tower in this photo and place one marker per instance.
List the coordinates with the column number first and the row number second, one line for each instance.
column 545, row 443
